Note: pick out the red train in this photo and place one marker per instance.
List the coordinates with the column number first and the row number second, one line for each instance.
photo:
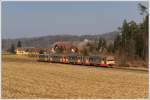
column 77, row 59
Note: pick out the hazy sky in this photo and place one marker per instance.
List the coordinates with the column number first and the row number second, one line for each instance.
column 29, row 19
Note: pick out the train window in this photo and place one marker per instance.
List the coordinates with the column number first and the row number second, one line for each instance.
column 92, row 59
column 73, row 58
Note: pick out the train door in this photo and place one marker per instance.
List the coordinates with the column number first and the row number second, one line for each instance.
column 104, row 62
column 91, row 60
column 64, row 59
column 67, row 60
column 78, row 60
column 86, row 60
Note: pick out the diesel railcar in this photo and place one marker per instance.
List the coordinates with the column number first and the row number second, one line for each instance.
column 77, row 59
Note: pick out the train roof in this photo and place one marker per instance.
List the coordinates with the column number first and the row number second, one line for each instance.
column 74, row 54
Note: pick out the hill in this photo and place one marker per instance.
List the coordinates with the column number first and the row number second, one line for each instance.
column 47, row 41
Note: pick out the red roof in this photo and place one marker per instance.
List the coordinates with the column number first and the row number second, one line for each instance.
column 66, row 45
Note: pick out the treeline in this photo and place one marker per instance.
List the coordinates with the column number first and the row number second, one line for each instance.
column 133, row 40
column 131, row 43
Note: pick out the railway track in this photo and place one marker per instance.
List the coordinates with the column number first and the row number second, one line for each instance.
column 131, row 69
column 122, row 68
column 113, row 67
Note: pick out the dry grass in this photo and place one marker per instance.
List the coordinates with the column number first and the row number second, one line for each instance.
column 23, row 77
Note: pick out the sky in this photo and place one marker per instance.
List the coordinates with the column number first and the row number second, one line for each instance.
column 33, row 19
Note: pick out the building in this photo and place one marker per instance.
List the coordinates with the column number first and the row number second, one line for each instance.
column 21, row 51
column 63, row 47
column 31, row 51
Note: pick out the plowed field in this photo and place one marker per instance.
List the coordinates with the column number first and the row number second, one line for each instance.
column 23, row 77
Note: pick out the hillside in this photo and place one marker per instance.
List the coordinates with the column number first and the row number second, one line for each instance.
column 46, row 41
